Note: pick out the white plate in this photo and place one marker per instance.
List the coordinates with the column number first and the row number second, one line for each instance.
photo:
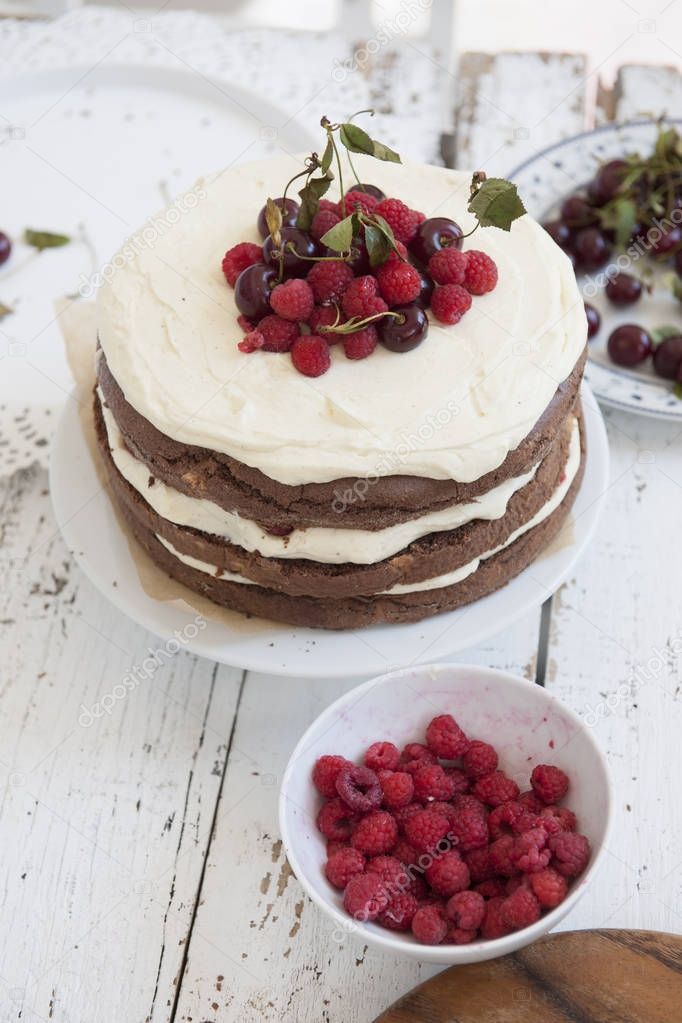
column 544, row 181
column 93, row 535
column 92, row 152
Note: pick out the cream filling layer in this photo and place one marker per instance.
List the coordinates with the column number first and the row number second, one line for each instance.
column 439, row 581
column 328, row 545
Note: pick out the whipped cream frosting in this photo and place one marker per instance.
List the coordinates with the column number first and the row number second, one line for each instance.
column 450, row 409
column 325, row 544
column 448, row 578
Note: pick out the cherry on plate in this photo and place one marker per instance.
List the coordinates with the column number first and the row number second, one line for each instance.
column 669, row 241
column 593, row 320
column 668, row 357
column 629, row 345
column 623, row 289
column 591, row 249
column 558, row 231
column 607, row 181
column 577, row 212
column 5, row 248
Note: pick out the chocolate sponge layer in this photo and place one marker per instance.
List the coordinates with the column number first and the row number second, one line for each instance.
column 426, row 558
column 385, row 501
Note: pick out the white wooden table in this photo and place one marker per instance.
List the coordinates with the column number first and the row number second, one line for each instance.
column 141, row 870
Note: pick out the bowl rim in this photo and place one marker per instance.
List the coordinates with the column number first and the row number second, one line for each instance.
column 487, row 948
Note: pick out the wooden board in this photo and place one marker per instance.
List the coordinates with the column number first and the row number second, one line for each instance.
column 612, row 976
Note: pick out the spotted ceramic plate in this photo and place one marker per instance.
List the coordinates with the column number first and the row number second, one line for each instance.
column 544, row 181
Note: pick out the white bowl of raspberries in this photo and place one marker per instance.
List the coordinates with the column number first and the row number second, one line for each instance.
column 450, row 813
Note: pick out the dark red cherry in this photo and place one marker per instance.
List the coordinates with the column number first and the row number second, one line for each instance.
column 404, row 334
column 371, row 190
column 435, row 234
column 669, row 242
column 426, row 287
column 303, row 245
column 623, row 289
column 629, row 345
column 5, row 248
column 591, row 249
column 577, row 212
column 593, row 320
column 289, row 208
column 668, row 357
column 359, row 261
column 252, row 291
column 558, row 231
column 606, row 182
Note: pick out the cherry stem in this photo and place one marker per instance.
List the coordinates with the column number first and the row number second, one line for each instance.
column 353, row 325
column 342, row 258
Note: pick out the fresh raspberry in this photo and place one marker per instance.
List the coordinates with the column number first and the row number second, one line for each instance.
column 238, row 258
column 491, row 888
column 361, row 299
column 333, row 847
column 429, row 926
column 503, row 819
column 412, row 766
column 325, row 772
column 519, row 910
column 390, row 870
column 481, row 757
column 500, row 856
column 359, row 788
column 478, row 862
column 550, row 784
column 445, row 738
column 529, row 852
column 382, row 756
column 449, row 302
column 329, row 279
column 375, row 833
column 458, row 936
column 365, row 897
column 343, row 865
column 470, row 826
column 399, row 913
column 447, row 809
column 516, row 882
column 570, row 852
column 425, row 829
column 279, row 334
column 404, row 852
column 360, row 343
column 328, row 204
column 310, row 355
column 246, row 324
column 496, row 788
column 252, row 342
column 447, row 266
column 466, row 910
column 480, row 275
column 431, row 782
column 530, row 801
column 335, row 820
column 494, row 926
column 460, row 782
column 364, row 200
column 397, row 255
column 399, row 283
column 448, row 874
column 398, row 789
column 549, row 888
column 417, row 751
column 403, row 814
column 325, row 316
column 401, row 219
column 557, row 818
column 323, row 221
column 293, row 300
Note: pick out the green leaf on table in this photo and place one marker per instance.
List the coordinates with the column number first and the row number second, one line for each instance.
column 621, row 216
column 340, row 236
column 45, row 239
column 496, row 203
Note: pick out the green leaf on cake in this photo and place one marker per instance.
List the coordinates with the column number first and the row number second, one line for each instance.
column 495, row 203
column 378, row 246
column 310, row 194
column 383, row 152
column 45, row 239
column 621, row 217
column 340, row 236
column 327, row 157
column 356, row 140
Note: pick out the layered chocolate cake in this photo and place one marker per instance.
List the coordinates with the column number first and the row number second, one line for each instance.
column 360, row 481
